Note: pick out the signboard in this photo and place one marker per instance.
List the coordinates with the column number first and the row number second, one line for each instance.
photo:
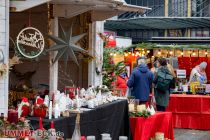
column 181, row 73
column 30, row 42
column 207, row 88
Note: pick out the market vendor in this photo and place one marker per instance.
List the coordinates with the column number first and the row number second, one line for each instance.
column 198, row 74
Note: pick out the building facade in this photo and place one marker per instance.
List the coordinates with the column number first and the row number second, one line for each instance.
column 191, row 9
column 46, row 15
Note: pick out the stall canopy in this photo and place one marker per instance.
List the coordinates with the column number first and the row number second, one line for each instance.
column 101, row 9
column 158, row 23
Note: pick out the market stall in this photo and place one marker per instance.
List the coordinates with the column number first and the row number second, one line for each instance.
column 190, row 111
column 111, row 118
column 146, row 128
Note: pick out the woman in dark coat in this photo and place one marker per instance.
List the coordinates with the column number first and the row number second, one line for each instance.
column 162, row 96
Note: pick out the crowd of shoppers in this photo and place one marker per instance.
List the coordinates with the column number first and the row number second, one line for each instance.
column 161, row 76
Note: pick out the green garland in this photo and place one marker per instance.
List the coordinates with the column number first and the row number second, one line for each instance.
column 156, row 46
column 144, row 114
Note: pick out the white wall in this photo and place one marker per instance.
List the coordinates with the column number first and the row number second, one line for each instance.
column 123, row 42
column 4, row 46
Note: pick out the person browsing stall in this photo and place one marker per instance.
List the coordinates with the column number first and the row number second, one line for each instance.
column 163, row 81
column 140, row 81
column 198, row 73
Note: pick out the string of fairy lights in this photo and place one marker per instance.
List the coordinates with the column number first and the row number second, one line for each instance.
column 164, row 52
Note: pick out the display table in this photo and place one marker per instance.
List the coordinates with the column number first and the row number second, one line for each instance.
column 145, row 128
column 110, row 118
column 190, row 111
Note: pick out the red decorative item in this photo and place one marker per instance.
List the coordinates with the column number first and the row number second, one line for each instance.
column 52, row 126
column 71, row 95
column 40, row 123
column 25, row 111
column 24, row 99
column 12, row 116
column 39, row 101
column 40, row 112
column 83, row 138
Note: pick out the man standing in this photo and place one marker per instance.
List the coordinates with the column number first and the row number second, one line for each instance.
column 140, row 81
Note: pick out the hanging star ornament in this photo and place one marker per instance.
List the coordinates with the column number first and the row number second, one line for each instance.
column 66, row 45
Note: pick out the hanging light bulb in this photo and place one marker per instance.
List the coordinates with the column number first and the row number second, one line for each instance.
column 115, row 54
column 206, row 52
column 137, row 53
column 148, row 51
column 182, row 53
column 170, row 52
column 133, row 54
column 129, row 52
column 125, row 54
column 159, row 52
column 111, row 54
column 193, row 53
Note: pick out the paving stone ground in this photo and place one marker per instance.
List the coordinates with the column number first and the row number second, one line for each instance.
column 188, row 134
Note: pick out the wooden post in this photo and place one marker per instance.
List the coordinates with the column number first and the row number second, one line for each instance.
column 95, row 49
column 53, row 79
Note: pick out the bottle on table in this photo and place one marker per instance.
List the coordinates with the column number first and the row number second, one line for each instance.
column 39, row 132
column 76, row 134
column 52, row 132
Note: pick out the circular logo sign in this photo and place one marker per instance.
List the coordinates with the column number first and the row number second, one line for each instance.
column 30, row 42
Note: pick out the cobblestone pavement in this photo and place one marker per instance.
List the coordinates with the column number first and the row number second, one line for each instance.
column 188, row 134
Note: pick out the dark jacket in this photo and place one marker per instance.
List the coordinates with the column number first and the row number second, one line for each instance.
column 162, row 97
column 140, row 82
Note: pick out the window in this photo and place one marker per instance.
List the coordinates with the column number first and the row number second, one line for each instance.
column 201, row 32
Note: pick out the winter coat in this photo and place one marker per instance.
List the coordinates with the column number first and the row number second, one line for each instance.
column 140, row 82
column 121, row 83
column 162, row 97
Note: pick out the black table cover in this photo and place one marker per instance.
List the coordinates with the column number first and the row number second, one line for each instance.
column 111, row 118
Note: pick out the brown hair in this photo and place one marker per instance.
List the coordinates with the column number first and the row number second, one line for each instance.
column 162, row 61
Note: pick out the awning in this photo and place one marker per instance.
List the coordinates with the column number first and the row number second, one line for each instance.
column 101, row 9
column 158, row 23
column 21, row 5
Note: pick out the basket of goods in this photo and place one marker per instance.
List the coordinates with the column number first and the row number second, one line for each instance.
column 40, row 109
